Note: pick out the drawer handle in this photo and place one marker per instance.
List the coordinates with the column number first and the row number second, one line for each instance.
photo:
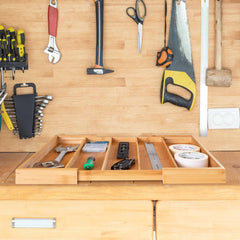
column 33, row 223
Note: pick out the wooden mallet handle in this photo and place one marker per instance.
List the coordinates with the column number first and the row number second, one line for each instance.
column 218, row 32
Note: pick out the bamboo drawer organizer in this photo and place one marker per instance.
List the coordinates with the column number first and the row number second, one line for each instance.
column 141, row 171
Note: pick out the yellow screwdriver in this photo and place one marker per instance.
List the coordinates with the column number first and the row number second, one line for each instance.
column 11, row 30
column 20, row 46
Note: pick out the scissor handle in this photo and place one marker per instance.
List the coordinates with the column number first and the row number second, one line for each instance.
column 133, row 16
column 138, row 11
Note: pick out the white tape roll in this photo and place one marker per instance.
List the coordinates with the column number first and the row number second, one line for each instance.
column 191, row 159
column 175, row 148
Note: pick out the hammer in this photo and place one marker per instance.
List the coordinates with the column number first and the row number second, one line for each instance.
column 98, row 69
column 218, row 77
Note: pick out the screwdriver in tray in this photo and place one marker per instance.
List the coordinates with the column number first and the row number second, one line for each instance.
column 89, row 164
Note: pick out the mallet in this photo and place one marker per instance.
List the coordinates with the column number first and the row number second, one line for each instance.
column 218, row 77
column 98, row 69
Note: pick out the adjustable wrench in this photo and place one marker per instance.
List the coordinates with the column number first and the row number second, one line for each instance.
column 56, row 163
column 53, row 53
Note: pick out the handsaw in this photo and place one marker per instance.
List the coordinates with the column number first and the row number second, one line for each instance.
column 180, row 73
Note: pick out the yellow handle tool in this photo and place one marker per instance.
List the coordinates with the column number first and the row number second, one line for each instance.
column 6, row 118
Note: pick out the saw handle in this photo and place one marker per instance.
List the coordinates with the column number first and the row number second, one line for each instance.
column 52, row 21
column 174, row 98
column 218, row 33
column 182, row 80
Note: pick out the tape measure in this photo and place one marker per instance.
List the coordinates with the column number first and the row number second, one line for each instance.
column 154, row 159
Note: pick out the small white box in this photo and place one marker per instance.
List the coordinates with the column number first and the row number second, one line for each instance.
column 223, row 118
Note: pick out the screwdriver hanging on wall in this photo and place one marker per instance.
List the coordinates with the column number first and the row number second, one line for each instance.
column 12, row 50
column 21, row 46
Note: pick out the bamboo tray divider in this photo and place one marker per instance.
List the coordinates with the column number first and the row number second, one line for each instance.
column 105, row 173
column 141, row 171
column 215, row 173
column 25, row 174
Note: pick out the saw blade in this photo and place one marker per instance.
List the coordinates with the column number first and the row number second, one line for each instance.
column 179, row 39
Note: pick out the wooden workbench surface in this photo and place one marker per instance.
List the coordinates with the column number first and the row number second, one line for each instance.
column 120, row 190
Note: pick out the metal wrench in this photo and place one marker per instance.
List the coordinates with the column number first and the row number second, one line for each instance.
column 56, row 163
column 54, row 54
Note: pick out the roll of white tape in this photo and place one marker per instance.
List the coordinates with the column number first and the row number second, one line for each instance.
column 175, row 148
column 191, row 159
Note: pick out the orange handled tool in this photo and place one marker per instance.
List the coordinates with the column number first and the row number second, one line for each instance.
column 165, row 56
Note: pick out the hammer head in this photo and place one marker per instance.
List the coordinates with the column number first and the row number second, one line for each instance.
column 68, row 148
column 98, row 71
column 219, row 78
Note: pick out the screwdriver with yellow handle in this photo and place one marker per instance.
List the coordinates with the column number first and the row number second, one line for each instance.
column 12, row 53
column 21, row 46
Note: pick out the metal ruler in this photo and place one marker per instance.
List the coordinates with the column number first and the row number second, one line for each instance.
column 152, row 154
column 203, row 68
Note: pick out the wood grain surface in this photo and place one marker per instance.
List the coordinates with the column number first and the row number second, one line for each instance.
column 126, row 102
column 187, row 220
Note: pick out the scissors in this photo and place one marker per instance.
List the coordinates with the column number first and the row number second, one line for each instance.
column 136, row 16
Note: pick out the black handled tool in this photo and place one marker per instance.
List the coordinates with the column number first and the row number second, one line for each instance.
column 135, row 14
column 123, row 150
column 125, row 164
column 98, row 69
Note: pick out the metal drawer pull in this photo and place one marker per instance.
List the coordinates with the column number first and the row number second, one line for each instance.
column 33, row 223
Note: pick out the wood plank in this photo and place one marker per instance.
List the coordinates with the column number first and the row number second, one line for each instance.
column 118, row 175
column 193, row 175
column 46, row 176
column 120, row 191
column 231, row 162
column 127, row 101
column 9, row 162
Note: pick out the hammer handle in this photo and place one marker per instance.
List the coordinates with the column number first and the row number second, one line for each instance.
column 99, row 31
column 218, row 33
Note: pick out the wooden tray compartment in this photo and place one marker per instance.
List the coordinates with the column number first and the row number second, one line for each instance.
column 141, row 171
column 104, row 172
column 214, row 173
column 25, row 174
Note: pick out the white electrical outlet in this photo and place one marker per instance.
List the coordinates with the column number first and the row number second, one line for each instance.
column 223, row 118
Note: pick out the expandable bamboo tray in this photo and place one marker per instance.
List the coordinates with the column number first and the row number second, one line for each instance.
column 141, row 171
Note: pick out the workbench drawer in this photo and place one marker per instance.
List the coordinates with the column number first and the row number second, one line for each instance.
column 78, row 219
column 198, row 220
column 73, row 172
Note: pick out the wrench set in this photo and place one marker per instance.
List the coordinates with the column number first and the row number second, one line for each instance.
column 26, row 111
